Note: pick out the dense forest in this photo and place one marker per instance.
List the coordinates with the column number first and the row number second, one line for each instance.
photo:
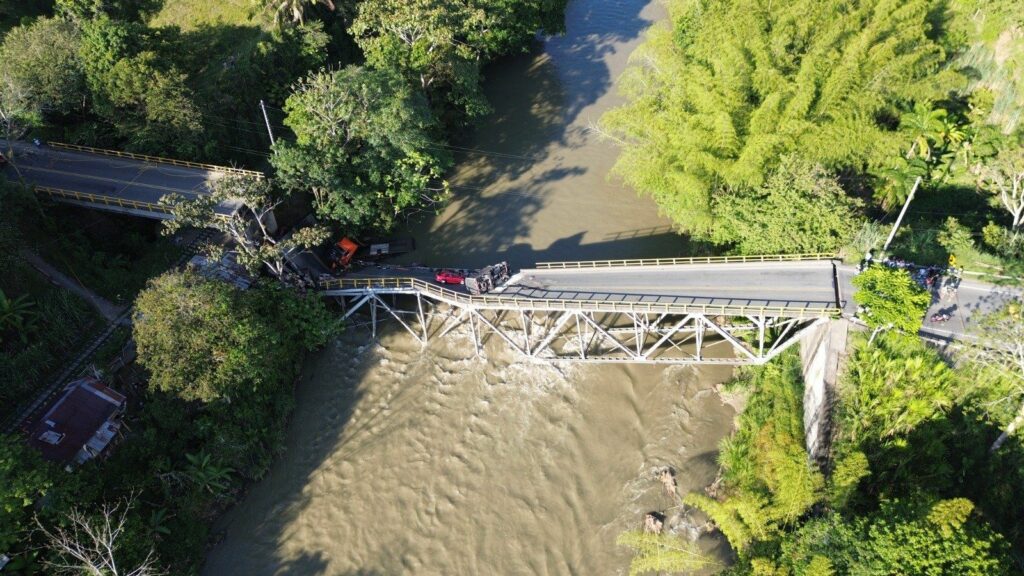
column 802, row 127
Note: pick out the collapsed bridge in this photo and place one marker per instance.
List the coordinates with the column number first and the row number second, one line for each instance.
column 675, row 311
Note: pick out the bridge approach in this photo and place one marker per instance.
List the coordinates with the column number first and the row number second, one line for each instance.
column 113, row 181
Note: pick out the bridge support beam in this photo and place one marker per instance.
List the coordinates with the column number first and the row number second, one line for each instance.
column 590, row 333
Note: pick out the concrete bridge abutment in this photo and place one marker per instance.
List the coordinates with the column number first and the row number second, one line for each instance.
column 823, row 353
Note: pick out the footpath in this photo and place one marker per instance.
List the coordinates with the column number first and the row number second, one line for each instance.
column 115, row 315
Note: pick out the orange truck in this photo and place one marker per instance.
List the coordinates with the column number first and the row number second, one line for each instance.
column 341, row 254
column 345, row 250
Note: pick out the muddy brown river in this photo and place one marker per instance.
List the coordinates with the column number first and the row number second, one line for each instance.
column 403, row 460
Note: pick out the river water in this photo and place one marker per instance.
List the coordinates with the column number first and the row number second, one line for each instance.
column 403, row 460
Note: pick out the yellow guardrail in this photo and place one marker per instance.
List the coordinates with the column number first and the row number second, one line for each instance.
column 100, row 199
column 688, row 260
column 423, row 287
column 155, row 159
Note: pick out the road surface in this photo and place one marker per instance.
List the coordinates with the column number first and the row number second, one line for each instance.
column 809, row 284
column 138, row 183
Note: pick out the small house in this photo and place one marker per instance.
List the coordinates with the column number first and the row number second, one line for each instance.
column 80, row 424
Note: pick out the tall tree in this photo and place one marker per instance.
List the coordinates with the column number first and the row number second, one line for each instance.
column 998, row 353
column 40, row 73
column 893, row 387
column 255, row 245
column 364, row 147
column 730, row 86
column 440, row 44
column 93, row 545
column 799, row 208
column 205, row 340
column 1003, row 177
column 890, row 299
column 292, row 11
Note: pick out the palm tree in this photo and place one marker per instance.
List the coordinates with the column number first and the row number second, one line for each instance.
column 293, row 11
column 207, row 474
column 898, row 180
column 16, row 313
column 926, row 126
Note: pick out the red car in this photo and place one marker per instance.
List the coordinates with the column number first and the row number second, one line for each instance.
column 450, row 277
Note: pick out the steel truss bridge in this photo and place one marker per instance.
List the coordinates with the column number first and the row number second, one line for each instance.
column 644, row 311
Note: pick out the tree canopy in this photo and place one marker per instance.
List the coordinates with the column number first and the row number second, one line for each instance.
column 799, row 208
column 206, row 340
column 720, row 94
column 890, row 298
column 440, row 44
column 364, row 146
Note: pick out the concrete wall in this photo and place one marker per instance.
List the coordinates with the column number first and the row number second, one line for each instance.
column 822, row 351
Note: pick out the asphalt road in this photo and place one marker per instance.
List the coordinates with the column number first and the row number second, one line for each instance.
column 792, row 284
column 111, row 176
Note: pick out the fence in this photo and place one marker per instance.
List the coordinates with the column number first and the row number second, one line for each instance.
column 155, row 159
column 105, row 200
column 415, row 285
column 680, row 261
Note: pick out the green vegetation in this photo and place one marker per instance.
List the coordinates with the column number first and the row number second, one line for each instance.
column 906, row 490
column 204, row 340
column 41, row 325
column 440, row 45
column 799, row 208
column 768, row 482
column 364, row 146
column 223, row 363
column 661, row 553
column 366, row 92
column 731, row 86
column 851, row 104
column 891, row 299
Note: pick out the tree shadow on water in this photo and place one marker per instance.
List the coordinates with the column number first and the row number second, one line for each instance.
column 516, row 158
column 262, row 532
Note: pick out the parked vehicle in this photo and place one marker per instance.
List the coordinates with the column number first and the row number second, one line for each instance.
column 3, row 160
column 488, row 278
column 340, row 255
column 450, row 277
column 380, row 248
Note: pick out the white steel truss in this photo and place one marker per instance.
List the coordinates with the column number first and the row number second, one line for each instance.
column 589, row 332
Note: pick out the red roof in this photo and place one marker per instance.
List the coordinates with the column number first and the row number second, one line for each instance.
column 81, row 413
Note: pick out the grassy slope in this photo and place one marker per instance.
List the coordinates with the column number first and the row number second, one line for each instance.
column 191, row 14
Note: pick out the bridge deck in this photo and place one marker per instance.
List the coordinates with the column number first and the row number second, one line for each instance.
column 798, row 289
column 120, row 184
column 796, row 285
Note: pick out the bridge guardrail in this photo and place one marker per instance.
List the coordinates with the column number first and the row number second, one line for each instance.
column 155, row 159
column 678, row 261
column 106, row 200
column 415, row 284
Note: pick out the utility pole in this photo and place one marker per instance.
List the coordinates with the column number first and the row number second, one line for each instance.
column 267, row 120
column 902, row 213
